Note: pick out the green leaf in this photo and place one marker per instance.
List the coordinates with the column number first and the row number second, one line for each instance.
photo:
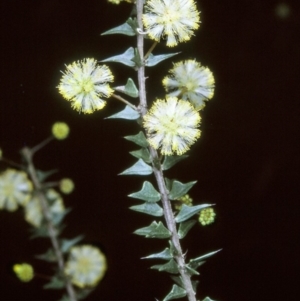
column 139, row 139
column 128, row 113
column 191, row 271
column 64, row 298
column 126, row 29
column 55, row 283
column 153, row 60
column 178, row 280
column 129, row 89
column 147, row 193
column 137, row 58
column 179, row 189
column 169, row 161
column 139, row 168
column 185, row 227
column 187, row 211
column 58, row 217
column 165, row 254
column 169, row 183
column 176, row 293
column 155, row 230
column 207, row 299
column 142, row 153
column 48, row 256
column 127, row 58
column 67, row 244
column 196, row 262
column 170, row 267
column 148, row 208
column 43, row 175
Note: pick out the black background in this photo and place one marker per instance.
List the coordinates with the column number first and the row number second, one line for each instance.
column 247, row 160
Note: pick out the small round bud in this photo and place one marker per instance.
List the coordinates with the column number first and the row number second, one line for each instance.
column 66, row 186
column 24, row 271
column 60, row 130
column 207, row 216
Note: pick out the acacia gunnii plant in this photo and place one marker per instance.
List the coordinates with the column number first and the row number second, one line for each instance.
column 168, row 125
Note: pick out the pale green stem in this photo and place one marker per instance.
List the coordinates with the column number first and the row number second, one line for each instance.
column 168, row 213
column 52, row 231
column 125, row 101
column 41, row 145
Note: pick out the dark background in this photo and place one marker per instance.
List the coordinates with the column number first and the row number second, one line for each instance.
column 247, row 160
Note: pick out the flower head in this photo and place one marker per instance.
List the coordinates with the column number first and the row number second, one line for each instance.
column 190, row 81
column 207, row 216
column 33, row 209
column 60, row 130
column 84, row 84
column 86, row 266
column 185, row 199
column 24, row 271
column 66, row 185
column 172, row 125
column 174, row 19
column 15, row 189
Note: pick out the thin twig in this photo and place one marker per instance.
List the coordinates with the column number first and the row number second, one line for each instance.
column 125, row 101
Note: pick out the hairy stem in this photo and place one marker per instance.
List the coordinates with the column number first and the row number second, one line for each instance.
column 168, row 213
column 52, row 231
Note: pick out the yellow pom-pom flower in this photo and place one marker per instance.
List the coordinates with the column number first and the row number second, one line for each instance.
column 174, row 19
column 15, row 189
column 207, row 216
column 66, row 186
column 185, row 199
column 171, row 125
column 24, row 271
column 84, row 83
column 86, row 266
column 190, row 81
column 60, row 130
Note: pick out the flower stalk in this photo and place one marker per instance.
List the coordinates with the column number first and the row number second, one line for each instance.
column 168, row 213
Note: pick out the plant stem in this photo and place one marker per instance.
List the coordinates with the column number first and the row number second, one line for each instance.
column 52, row 231
column 168, row 213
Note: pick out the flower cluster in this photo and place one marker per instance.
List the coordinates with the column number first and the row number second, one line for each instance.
column 84, row 83
column 174, row 19
column 172, row 125
column 86, row 266
column 60, row 130
column 190, row 81
column 24, row 271
column 207, row 216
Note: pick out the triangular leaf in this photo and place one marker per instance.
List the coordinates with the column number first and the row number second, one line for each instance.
column 207, row 299
column 191, row 271
column 129, row 89
column 43, row 175
column 137, row 58
column 128, row 113
column 125, row 29
column 139, row 168
column 148, row 208
column 185, row 227
column 165, row 254
column 48, row 256
column 55, row 283
column 142, row 153
column 155, row 230
column 187, row 211
column 139, row 139
column 176, row 293
column 196, row 262
column 170, row 161
column 67, row 244
column 125, row 58
column 153, row 60
column 170, row 267
column 57, row 217
column 147, row 193
column 64, row 298
column 179, row 189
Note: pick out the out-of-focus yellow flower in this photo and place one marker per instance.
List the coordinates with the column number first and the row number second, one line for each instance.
column 207, row 216
column 66, row 186
column 15, row 189
column 171, row 125
column 174, row 19
column 24, row 271
column 190, row 81
column 86, row 266
column 60, row 130
column 84, row 83
column 33, row 209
